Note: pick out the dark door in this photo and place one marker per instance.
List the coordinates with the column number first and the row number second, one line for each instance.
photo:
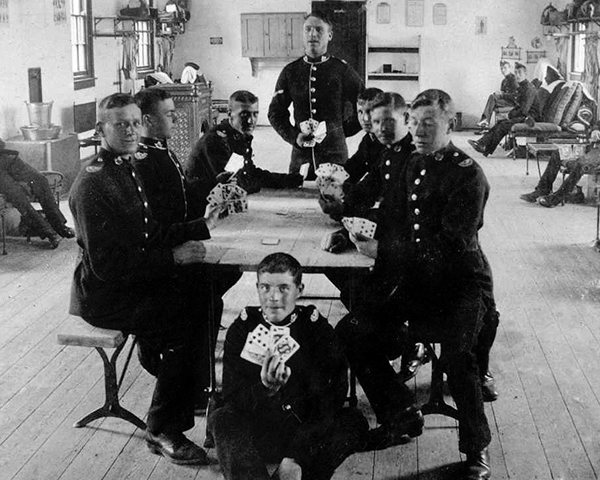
column 349, row 31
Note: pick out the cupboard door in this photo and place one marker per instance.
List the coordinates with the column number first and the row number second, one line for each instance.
column 253, row 35
column 295, row 43
column 275, row 38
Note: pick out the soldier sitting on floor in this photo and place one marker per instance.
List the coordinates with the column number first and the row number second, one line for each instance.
column 206, row 165
column 282, row 408
column 13, row 173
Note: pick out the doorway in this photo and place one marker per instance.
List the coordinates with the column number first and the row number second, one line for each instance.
column 349, row 31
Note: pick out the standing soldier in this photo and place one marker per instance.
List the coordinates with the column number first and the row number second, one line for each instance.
column 321, row 88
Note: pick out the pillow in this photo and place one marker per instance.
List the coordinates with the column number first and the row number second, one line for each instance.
column 573, row 105
column 550, row 107
column 562, row 100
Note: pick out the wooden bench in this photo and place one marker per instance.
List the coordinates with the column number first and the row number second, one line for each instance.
column 79, row 333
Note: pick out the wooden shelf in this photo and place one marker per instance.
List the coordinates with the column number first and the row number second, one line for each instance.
column 394, row 49
column 393, row 76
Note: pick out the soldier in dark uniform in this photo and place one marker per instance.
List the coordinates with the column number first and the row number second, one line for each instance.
column 180, row 215
column 321, row 88
column 431, row 271
column 286, row 411
column 527, row 105
column 368, row 153
column 206, row 165
column 128, row 278
column 13, row 173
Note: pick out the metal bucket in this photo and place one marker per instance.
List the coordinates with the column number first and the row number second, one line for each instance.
column 40, row 114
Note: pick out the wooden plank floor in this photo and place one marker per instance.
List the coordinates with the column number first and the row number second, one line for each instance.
column 546, row 424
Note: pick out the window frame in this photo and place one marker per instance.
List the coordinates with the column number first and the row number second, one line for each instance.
column 82, row 78
column 149, row 34
column 577, row 50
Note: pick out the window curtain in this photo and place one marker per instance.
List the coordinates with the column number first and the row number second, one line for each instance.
column 129, row 63
column 592, row 64
column 166, row 47
column 562, row 50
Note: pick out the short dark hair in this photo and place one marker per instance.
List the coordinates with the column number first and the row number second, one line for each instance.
column 281, row 262
column 116, row 100
column 389, row 99
column 520, row 66
column 434, row 97
column 320, row 15
column 504, row 62
column 242, row 96
column 369, row 94
column 149, row 98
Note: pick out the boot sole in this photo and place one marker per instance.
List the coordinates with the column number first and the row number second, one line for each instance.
column 159, row 451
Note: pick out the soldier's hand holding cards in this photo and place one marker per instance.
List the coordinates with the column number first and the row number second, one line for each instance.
column 262, row 341
column 227, row 198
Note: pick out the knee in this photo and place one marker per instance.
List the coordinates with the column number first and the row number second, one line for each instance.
column 458, row 363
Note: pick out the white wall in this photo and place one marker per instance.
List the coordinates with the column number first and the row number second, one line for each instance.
column 453, row 57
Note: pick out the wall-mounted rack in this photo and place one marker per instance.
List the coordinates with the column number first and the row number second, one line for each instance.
column 115, row 26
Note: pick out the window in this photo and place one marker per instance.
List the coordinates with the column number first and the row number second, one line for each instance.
column 145, row 59
column 81, row 43
column 578, row 48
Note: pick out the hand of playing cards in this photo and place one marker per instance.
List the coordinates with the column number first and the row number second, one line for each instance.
column 330, row 178
column 362, row 226
column 317, row 129
column 276, row 339
column 230, row 197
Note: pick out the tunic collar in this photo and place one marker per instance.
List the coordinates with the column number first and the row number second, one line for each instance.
column 320, row 59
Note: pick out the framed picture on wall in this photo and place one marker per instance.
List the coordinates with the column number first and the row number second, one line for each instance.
column 439, row 14
column 534, row 55
column 511, row 53
column 415, row 13
column 480, row 25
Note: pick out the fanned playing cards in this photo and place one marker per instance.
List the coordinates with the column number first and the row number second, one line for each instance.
column 233, row 197
column 276, row 338
column 330, row 178
column 318, row 130
column 358, row 225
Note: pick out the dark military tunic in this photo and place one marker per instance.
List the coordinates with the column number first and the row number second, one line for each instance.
column 323, row 90
column 368, row 153
column 126, row 279
column 212, row 153
column 121, row 249
column 360, row 198
column 167, row 188
column 304, row 420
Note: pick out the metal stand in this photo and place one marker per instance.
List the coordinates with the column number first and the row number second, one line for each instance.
column 112, row 407
column 436, row 403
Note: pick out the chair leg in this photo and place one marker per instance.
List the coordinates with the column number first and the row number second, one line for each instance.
column 436, row 403
column 111, row 407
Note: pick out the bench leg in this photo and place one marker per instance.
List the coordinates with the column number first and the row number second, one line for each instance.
column 436, row 403
column 111, row 407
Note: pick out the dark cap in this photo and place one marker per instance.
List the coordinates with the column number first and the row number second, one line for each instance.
column 520, row 65
column 195, row 66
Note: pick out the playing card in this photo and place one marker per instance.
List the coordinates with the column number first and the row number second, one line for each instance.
column 325, row 170
column 320, row 132
column 285, row 347
column 357, row 225
column 309, row 126
column 257, row 343
column 275, row 333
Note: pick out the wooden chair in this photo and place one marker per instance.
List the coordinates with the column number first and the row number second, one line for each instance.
column 82, row 334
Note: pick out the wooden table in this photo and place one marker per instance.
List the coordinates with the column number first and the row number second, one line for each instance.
column 294, row 217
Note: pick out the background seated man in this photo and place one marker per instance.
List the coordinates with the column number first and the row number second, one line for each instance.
column 206, row 165
column 282, row 409
column 13, row 171
column 527, row 105
column 505, row 97
column 128, row 278
column 577, row 168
